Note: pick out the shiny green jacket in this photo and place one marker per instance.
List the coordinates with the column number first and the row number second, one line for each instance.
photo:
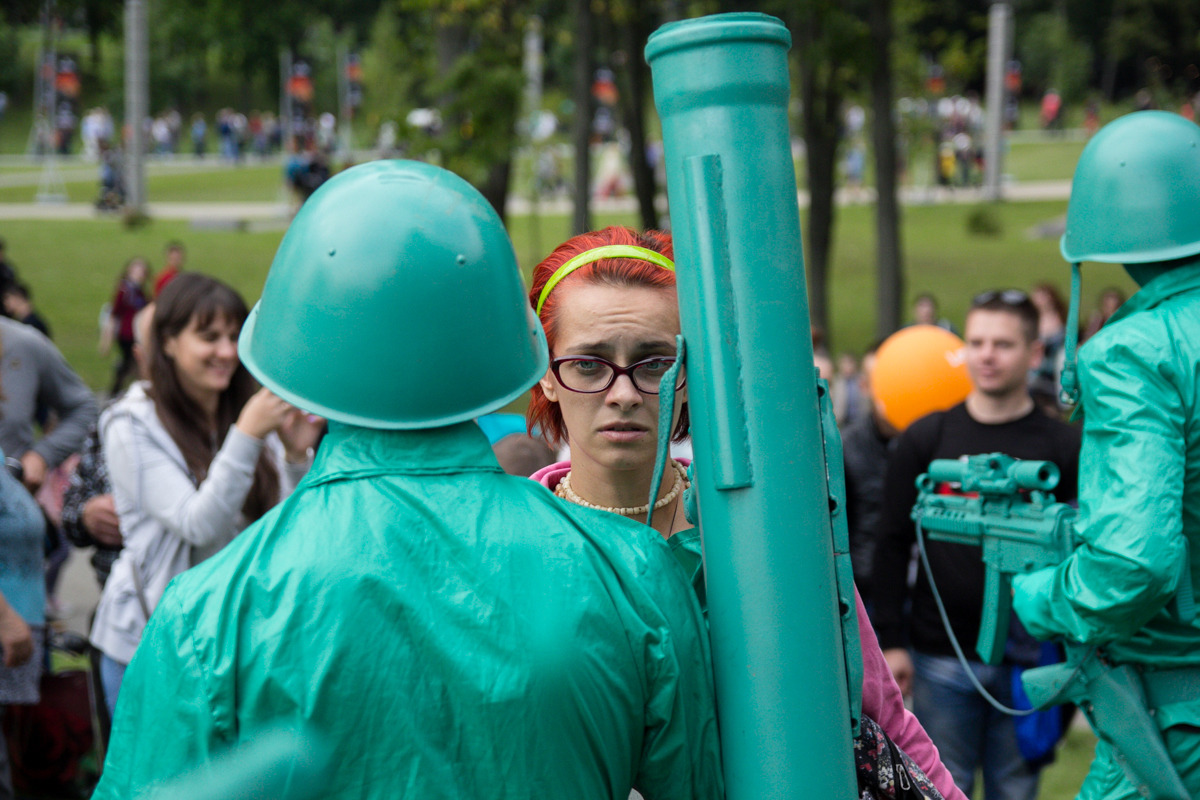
column 1139, row 485
column 454, row 632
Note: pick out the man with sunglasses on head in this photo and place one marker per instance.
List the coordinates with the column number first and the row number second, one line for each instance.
column 999, row 415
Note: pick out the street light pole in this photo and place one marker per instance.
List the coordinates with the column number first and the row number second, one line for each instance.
column 136, row 104
column 999, row 28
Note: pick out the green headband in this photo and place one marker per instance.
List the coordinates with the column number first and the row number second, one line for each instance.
column 597, row 254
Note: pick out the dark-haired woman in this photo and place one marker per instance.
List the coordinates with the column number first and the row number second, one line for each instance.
column 608, row 304
column 194, row 457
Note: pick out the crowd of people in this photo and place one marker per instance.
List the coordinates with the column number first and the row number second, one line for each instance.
column 452, row 597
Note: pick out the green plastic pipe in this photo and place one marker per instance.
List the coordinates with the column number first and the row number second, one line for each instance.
column 721, row 88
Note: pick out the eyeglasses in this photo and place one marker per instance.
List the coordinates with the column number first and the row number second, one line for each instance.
column 1009, row 297
column 592, row 374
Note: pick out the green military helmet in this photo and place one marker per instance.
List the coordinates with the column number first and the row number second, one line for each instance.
column 395, row 302
column 1135, row 198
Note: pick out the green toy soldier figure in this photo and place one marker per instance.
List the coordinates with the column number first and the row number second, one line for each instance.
column 1135, row 200
column 450, row 631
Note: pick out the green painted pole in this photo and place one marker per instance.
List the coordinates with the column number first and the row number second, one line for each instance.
column 721, row 87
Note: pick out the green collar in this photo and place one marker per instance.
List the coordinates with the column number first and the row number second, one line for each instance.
column 1171, row 283
column 352, row 452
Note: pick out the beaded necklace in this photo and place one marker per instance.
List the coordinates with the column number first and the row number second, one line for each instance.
column 566, row 492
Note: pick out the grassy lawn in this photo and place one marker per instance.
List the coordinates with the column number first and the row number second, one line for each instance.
column 1061, row 780
column 72, row 266
column 165, row 182
column 1047, row 160
column 943, row 257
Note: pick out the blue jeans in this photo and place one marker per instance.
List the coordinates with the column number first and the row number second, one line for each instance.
column 968, row 732
column 111, row 674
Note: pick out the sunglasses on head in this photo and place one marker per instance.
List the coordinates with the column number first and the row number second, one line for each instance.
column 1009, row 297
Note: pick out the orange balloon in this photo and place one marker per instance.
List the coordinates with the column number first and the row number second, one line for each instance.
column 918, row 370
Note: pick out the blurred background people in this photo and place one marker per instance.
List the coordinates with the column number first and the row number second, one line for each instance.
column 1052, row 332
column 18, row 304
column 1107, row 304
column 128, row 300
column 22, row 607
column 173, row 257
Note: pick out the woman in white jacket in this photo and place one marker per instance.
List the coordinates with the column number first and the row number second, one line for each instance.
column 194, row 455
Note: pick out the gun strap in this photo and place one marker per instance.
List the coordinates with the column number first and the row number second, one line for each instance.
column 1069, row 393
column 666, row 415
column 958, row 651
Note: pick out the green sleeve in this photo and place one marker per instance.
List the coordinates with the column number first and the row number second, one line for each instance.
column 681, row 752
column 1130, row 496
column 164, row 723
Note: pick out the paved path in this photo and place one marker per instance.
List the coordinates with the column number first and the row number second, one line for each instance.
column 217, row 213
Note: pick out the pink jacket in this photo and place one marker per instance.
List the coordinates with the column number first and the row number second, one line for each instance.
column 881, row 698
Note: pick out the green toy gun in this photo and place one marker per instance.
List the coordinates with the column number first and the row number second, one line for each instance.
column 1005, row 508
column 1009, row 513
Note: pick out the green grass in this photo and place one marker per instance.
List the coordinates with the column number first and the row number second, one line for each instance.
column 72, row 267
column 1061, row 780
column 942, row 257
column 165, row 182
column 1047, row 160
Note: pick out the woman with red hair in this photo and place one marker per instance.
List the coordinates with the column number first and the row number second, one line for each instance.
column 608, row 304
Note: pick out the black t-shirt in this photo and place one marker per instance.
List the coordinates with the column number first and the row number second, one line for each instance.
column 957, row 569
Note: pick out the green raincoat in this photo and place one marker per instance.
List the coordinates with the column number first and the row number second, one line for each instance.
column 1139, row 509
column 453, row 631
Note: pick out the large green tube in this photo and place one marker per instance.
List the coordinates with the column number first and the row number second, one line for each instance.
column 721, row 87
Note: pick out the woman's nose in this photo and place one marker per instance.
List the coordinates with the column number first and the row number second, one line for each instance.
column 623, row 392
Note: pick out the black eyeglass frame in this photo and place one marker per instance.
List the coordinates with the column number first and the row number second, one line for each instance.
column 617, row 371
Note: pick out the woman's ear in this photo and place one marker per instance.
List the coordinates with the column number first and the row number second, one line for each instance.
column 549, row 386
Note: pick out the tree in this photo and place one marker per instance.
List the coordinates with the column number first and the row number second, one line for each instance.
column 581, row 123
column 633, row 25
column 889, row 254
column 473, row 77
column 829, row 40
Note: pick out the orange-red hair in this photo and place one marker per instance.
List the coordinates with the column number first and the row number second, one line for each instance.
column 543, row 414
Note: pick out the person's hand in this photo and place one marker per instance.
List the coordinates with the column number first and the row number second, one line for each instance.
column 263, row 413
column 33, row 468
column 902, row 668
column 16, row 639
column 99, row 519
column 299, row 433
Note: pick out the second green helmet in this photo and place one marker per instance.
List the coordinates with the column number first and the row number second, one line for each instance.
column 1135, row 197
column 394, row 301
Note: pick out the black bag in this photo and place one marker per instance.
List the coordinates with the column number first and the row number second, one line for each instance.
column 885, row 772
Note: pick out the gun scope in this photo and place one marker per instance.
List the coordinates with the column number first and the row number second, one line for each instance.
column 994, row 473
